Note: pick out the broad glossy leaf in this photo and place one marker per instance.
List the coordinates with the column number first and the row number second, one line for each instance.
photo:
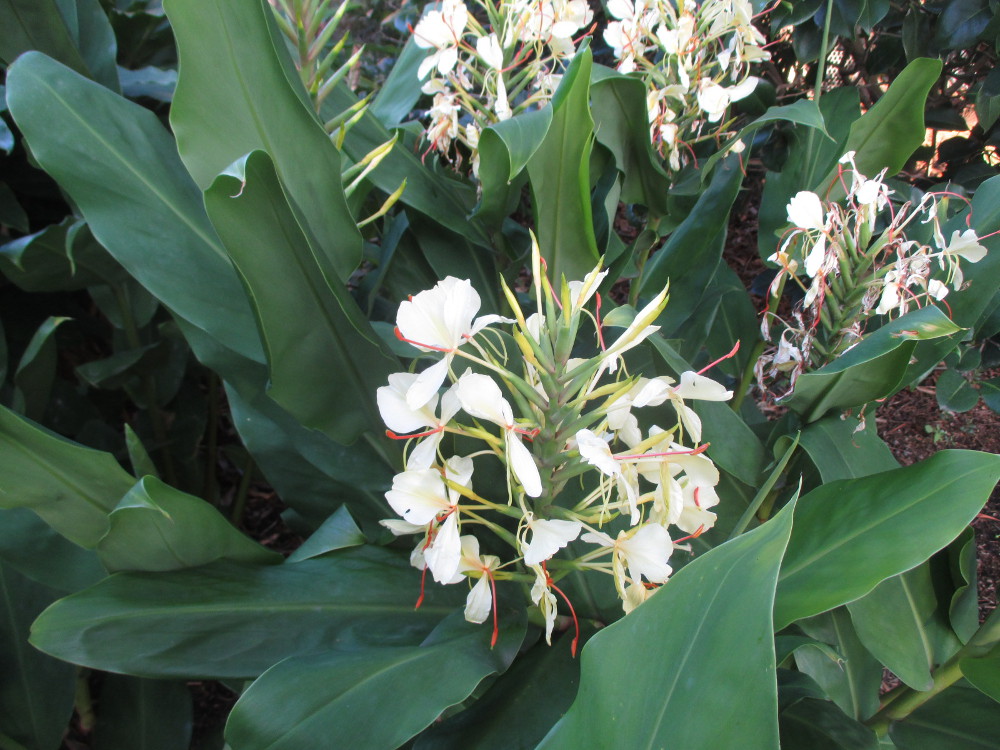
column 156, row 527
column 311, row 472
column 231, row 620
column 337, row 532
column 74, row 32
column 325, row 360
column 813, row 724
column 902, row 624
column 886, row 135
column 960, row 718
column 373, row 698
column 954, row 393
column 559, row 176
column 693, row 251
column 34, row 549
column 872, row 369
column 237, row 92
column 121, row 168
column 963, row 609
column 71, row 487
column 36, row 691
column 621, row 124
column 841, row 451
column 139, row 714
column 711, row 626
column 397, row 96
column 520, row 706
column 504, row 150
column 984, row 672
column 851, row 534
column 853, row 680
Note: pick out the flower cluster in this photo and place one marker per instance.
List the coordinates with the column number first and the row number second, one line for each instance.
column 695, row 60
column 854, row 262
column 481, row 74
column 580, row 468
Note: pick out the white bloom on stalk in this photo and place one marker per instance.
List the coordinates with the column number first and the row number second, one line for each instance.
column 547, row 538
column 596, row 452
column 966, row 244
column 545, row 600
column 479, row 602
column 441, row 30
column 643, row 551
column 401, row 418
column 714, row 99
column 440, row 319
column 481, row 398
column 488, row 48
column 805, row 211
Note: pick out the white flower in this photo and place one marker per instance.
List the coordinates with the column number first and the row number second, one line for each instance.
column 714, row 99
column 937, row 289
column 481, row 398
column 479, row 602
column 890, row 293
column 489, row 49
column 814, row 260
column 547, row 538
column 543, row 597
column 441, row 30
column 400, row 418
column 643, row 551
column 638, row 330
column 805, row 211
column 580, row 292
column 966, row 244
column 440, row 319
column 596, row 452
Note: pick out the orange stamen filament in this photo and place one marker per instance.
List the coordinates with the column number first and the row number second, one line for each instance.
column 401, row 337
column 639, row 457
column 723, row 358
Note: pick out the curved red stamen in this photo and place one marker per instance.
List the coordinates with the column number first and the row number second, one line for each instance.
column 401, row 337
column 723, row 358
column 640, row 456
column 697, row 533
column 423, row 578
column 576, row 622
column 395, row 436
column 600, row 332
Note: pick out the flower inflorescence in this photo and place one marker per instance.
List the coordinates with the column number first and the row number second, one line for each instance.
column 566, row 431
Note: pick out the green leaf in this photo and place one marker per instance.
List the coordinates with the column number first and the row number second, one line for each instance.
column 984, row 672
column 960, row 718
column 872, row 369
column 71, row 487
column 954, row 393
column 723, row 638
column 34, row 549
column 11, row 212
column 841, row 451
column 156, row 527
column 74, row 32
column 819, row 725
column 852, row 534
column 963, row 609
column 621, row 125
column 310, row 325
column 853, row 681
column 138, row 714
column 886, row 135
column 537, row 689
column 397, row 96
column 901, row 623
column 694, row 250
column 505, row 148
column 36, row 691
column 337, row 532
column 36, row 371
column 237, row 92
column 47, row 261
column 374, row 698
column 231, row 620
column 988, row 100
column 120, row 167
column 560, row 181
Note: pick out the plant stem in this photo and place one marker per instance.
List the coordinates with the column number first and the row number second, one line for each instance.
column 743, row 386
column 904, row 700
column 82, row 701
column 240, row 501
column 210, row 487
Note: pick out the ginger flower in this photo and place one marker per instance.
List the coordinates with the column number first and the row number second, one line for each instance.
column 441, row 30
column 440, row 319
column 401, row 418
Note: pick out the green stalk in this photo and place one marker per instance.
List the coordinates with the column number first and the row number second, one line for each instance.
column 902, row 701
column 82, row 701
column 211, row 486
column 746, row 377
column 820, row 73
column 240, row 501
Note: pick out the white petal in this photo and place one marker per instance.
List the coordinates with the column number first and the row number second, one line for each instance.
column 523, row 465
column 700, row 388
column 418, row 496
column 548, row 537
column 481, row 398
column 396, row 413
column 479, row 602
column 427, row 384
column 805, row 210
column 401, row 528
column 596, row 452
column 814, row 261
column 445, row 552
column 646, row 553
column 424, row 453
column 488, row 48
